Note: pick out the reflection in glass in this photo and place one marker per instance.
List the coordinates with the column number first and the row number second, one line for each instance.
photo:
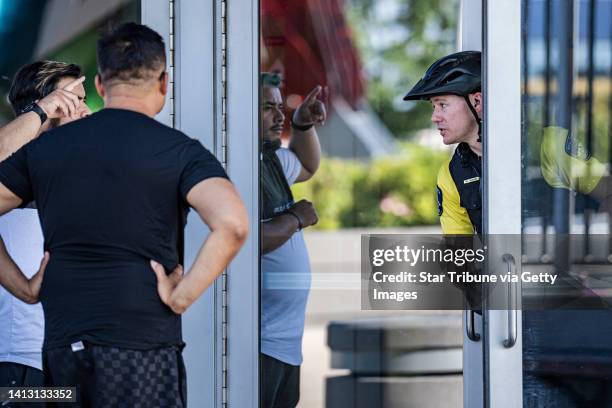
column 567, row 69
column 377, row 172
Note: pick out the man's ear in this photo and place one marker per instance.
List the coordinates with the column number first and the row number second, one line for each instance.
column 476, row 100
column 99, row 86
column 163, row 84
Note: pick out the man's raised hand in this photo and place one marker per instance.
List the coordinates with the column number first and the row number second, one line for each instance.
column 63, row 102
column 311, row 110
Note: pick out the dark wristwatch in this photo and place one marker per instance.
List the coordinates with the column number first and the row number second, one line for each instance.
column 302, row 128
column 34, row 107
column 299, row 220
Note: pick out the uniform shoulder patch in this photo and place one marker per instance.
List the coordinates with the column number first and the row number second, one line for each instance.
column 440, row 198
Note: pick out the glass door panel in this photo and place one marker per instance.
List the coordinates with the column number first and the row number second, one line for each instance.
column 566, row 94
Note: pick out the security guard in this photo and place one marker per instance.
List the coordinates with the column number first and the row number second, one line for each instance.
column 453, row 86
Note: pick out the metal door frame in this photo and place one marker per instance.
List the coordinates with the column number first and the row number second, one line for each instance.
column 493, row 371
column 242, row 107
column 213, row 62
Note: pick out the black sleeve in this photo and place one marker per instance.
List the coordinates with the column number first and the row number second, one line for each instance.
column 198, row 165
column 15, row 175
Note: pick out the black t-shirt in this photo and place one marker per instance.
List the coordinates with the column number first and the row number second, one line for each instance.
column 111, row 194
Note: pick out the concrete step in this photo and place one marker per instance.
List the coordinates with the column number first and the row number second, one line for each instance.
column 414, row 332
column 407, row 345
column 394, row 392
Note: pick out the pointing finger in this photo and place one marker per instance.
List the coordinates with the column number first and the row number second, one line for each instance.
column 312, row 96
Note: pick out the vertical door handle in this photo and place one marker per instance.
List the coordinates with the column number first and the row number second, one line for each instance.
column 470, row 325
column 510, row 341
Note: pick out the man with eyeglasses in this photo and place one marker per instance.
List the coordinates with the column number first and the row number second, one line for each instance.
column 43, row 95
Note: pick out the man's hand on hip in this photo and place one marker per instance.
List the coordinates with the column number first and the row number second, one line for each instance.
column 35, row 281
column 167, row 283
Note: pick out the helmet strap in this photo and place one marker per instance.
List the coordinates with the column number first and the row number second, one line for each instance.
column 473, row 110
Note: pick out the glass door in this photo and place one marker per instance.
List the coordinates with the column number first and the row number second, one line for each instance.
column 566, row 135
column 371, row 169
column 548, row 79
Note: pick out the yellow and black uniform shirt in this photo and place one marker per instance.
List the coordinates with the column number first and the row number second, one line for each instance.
column 459, row 193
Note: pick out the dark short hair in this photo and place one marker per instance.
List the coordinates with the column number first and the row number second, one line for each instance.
column 36, row 80
column 129, row 52
column 273, row 79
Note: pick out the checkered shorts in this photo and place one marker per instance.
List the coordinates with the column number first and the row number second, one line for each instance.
column 115, row 377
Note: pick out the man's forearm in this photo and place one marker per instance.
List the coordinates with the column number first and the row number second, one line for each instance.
column 11, row 277
column 217, row 251
column 277, row 231
column 305, row 145
column 18, row 133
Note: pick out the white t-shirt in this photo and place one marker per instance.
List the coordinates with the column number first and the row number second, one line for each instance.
column 285, row 286
column 21, row 324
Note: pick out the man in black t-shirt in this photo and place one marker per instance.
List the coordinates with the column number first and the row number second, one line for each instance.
column 112, row 192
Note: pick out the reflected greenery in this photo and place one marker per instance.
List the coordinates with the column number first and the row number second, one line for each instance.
column 392, row 191
column 398, row 40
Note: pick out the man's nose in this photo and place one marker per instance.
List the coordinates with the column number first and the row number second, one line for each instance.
column 279, row 116
column 435, row 116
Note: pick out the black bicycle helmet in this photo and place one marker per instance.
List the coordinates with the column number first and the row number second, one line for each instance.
column 457, row 74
